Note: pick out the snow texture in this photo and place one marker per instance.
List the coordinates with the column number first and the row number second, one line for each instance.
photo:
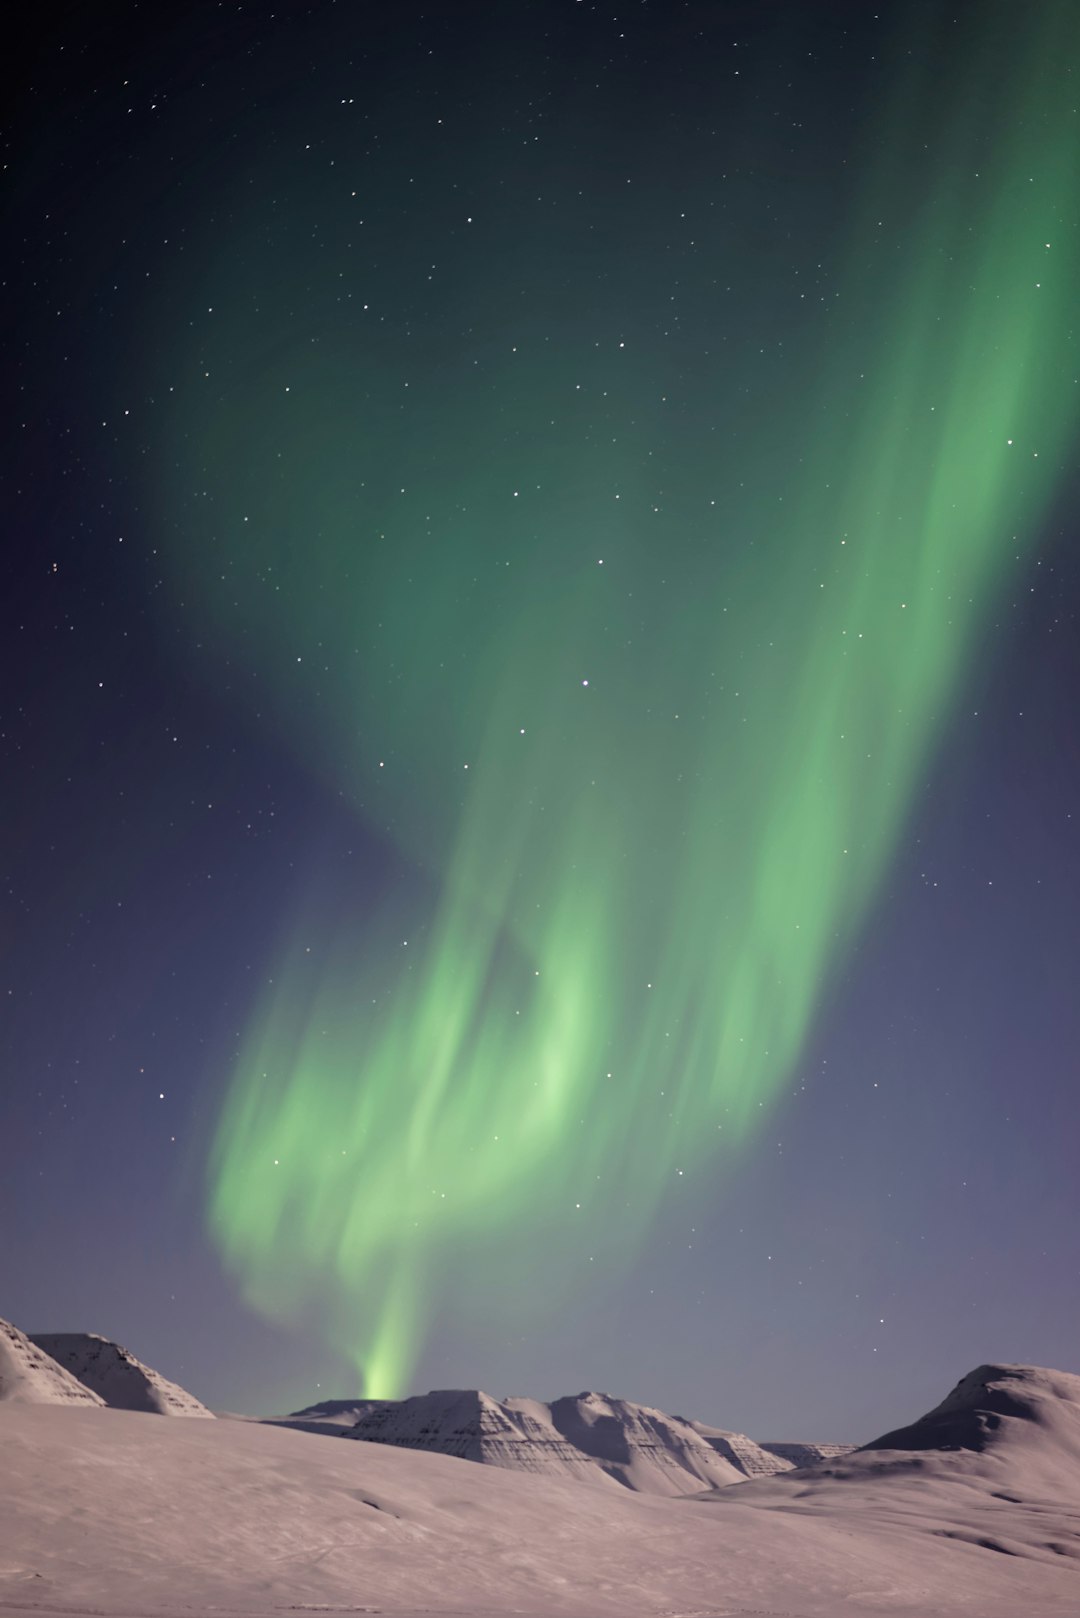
column 117, row 1377
column 29, row 1376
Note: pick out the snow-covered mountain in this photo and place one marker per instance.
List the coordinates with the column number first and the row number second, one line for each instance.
column 590, row 1436
column 1019, row 1416
column 750, row 1459
column 29, row 1376
column 103, row 1511
column 1007, row 1437
column 116, row 1377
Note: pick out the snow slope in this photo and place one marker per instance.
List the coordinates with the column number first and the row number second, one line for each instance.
column 116, row 1376
column 29, row 1376
column 102, row 1511
column 995, row 1466
column 1020, row 1411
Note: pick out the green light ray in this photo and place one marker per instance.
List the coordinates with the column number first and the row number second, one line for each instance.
column 647, row 759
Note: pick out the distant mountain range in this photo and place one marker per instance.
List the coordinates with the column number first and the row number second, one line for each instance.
column 590, row 1436
column 1030, row 1414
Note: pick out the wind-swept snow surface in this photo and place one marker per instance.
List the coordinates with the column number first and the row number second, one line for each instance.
column 116, row 1376
column 29, row 1376
column 102, row 1511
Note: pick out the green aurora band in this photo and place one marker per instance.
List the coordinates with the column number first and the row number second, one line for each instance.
column 638, row 723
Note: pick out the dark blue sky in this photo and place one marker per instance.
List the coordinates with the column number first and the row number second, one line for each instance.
column 910, row 1209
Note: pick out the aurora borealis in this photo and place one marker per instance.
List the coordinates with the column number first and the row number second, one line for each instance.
column 585, row 469
column 687, row 756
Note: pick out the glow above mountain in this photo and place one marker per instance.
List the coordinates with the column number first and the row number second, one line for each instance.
column 634, row 670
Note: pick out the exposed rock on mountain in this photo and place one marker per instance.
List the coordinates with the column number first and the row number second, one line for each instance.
column 807, row 1454
column 750, row 1459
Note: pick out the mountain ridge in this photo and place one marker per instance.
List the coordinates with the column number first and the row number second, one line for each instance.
column 116, row 1377
column 591, row 1436
column 28, row 1375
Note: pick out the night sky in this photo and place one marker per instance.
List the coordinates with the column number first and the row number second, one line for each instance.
column 541, row 781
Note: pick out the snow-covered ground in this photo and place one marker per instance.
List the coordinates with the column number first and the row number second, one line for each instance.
column 110, row 1512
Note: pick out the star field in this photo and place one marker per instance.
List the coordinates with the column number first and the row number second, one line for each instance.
column 539, row 657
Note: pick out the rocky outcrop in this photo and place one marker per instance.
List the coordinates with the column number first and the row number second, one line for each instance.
column 795, row 1455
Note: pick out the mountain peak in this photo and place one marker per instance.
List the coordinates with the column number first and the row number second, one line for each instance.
column 28, row 1375
column 990, row 1405
column 592, row 1436
column 116, row 1377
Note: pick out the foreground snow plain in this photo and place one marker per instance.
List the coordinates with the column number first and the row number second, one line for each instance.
column 127, row 1515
